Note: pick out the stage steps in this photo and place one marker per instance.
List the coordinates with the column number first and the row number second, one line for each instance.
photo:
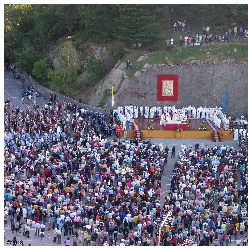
column 137, row 132
column 216, row 135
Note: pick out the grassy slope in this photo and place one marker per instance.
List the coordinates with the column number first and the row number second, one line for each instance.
column 196, row 17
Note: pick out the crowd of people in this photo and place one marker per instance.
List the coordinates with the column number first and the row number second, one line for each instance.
column 170, row 114
column 207, row 203
column 200, row 38
column 64, row 178
column 69, row 178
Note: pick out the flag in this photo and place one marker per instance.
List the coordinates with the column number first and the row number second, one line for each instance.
column 112, row 95
column 224, row 101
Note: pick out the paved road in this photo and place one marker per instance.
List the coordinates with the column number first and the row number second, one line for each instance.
column 12, row 90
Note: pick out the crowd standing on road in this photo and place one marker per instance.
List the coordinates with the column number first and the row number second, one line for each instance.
column 208, row 197
column 64, row 178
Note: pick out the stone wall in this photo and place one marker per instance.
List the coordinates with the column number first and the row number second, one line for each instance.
column 200, row 84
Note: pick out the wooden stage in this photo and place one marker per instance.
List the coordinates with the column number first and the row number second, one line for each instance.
column 159, row 131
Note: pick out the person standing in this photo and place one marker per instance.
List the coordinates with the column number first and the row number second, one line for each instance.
column 245, row 241
column 42, row 235
column 171, row 41
column 241, row 31
column 27, row 231
column 235, row 31
column 67, row 241
column 74, row 240
column 173, row 151
column 55, row 235
column 54, row 99
column 238, row 242
column 51, row 97
column 128, row 64
column 37, row 229
column 49, row 228
column 175, row 27
column 59, row 234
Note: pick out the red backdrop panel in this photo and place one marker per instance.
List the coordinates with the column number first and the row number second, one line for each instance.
column 167, row 87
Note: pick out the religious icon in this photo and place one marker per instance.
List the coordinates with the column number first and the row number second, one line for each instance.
column 167, row 87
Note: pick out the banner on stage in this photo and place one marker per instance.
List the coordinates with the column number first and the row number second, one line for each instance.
column 167, row 87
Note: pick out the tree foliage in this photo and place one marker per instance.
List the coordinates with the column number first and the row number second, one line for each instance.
column 96, row 69
column 30, row 28
column 100, row 21
column 240, row 11
column 26, row 59
column 41, row 70
column 137, row 23
column 36, row 25
column 64, row 77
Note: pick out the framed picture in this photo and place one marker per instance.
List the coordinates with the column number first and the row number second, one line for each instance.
column 167, row 87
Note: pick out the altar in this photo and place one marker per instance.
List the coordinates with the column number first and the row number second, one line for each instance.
column 174, row 125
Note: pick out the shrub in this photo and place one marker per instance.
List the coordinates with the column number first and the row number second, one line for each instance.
column 117, row 53
column 96, row 69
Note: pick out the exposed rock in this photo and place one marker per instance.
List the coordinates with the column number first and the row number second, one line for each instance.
column 200, row 84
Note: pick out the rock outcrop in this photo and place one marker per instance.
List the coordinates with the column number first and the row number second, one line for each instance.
column 200, row 83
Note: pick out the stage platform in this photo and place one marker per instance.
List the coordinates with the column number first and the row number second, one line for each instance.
column 160, row 132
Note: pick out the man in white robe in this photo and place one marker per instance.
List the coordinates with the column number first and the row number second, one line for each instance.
column 136, row 112
column 162, row 119
column 146, row 114
column 141, row 111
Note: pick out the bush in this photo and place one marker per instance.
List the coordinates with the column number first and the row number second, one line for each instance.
column 40, row 71
column 106, row 94
column 97, row 71
column 117, row 53
column 156, row 46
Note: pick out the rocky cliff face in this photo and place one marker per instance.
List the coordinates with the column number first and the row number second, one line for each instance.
column 200, row 84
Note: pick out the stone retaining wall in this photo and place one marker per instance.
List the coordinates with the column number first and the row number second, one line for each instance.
column 200, row 84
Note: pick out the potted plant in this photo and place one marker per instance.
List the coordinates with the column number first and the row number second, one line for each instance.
column 203, row 126
column 178, row 131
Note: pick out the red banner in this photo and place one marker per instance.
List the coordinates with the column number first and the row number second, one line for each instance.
column 167, row 87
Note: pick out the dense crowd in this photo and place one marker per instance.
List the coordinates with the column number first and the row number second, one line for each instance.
column 63, row 177
column 68, row 176
column 208, row 197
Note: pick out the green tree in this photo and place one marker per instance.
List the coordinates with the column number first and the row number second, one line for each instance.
column 137, row 23
column 100, row 21
column 26, row 59
column 41, row 70
column 240, row 11
column 96, row 69
column 17, row 22
column 64, row 78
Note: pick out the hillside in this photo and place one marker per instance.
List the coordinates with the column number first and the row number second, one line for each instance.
column 161, row 53
column 137, row 86
column 84, row 54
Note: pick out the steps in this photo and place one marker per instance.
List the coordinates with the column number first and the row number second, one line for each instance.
column 137, row 132
column 216, row 135
column 138, row 135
